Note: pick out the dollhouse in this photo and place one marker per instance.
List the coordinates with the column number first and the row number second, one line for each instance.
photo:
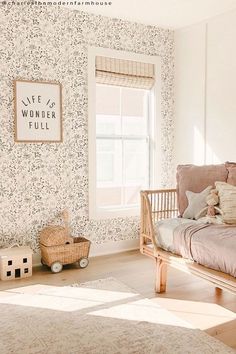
column 15, row 262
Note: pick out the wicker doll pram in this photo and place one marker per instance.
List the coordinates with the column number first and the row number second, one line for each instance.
column 59, row 248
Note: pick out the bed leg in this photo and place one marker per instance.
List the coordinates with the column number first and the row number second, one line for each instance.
column 161, row 276
column 218, row 291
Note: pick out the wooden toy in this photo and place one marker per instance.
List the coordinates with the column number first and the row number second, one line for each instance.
column 59, row 248
column 15, row 262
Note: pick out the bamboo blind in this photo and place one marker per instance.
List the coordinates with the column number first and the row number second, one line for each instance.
column 128, row 73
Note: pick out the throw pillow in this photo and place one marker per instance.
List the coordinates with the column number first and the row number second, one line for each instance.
column 227, row 195
column 231, row 175
column 196, row 178
column 196, row 202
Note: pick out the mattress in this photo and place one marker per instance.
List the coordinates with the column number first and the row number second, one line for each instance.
column 164, row 232
column 211, row 245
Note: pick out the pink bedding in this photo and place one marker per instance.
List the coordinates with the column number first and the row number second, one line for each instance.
column 211, row 245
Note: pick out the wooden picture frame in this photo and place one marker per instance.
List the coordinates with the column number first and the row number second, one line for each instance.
column 38, row 111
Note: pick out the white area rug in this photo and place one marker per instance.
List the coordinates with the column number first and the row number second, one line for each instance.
column 98, row 317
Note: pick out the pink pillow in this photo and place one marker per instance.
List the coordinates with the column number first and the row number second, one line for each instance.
column 196, row 179
column 230, row 164
column 231, row 168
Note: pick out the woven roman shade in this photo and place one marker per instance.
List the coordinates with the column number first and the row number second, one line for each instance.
column 128, row 73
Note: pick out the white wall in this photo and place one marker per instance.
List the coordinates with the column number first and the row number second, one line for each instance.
column 205, row 91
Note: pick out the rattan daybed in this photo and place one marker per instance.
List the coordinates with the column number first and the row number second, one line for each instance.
column 162, row 204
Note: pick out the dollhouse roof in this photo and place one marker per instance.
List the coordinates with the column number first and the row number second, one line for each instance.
column 16, row 251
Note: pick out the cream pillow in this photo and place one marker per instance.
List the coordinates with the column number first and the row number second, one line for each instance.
column 227, row 195
column 196, row 202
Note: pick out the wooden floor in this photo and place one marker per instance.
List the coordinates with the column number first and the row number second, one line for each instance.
column 188, row 297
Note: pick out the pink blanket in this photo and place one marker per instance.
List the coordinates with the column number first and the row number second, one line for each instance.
column 211, row 245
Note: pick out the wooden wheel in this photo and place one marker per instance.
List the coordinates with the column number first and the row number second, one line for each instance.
column 56, row 267
column 83, row 262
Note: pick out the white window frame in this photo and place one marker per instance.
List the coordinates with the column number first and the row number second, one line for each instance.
column 155, row 129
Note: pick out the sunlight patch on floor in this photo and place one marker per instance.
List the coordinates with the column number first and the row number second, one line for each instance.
column 121, row 304
column 142, row 310
column 202, row 315
column 65, row 298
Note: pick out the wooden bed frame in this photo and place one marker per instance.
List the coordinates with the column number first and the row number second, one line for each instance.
column 162, row 204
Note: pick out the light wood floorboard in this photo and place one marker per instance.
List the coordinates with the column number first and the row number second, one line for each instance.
column 187, row 296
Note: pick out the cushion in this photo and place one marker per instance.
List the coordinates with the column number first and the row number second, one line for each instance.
column 196, row 202
column 231, row 168
column 231, row 175
column 227, row 194
column 230, row 164
column 196, row 179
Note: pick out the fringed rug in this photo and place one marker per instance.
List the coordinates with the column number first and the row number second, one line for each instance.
column 98, row 317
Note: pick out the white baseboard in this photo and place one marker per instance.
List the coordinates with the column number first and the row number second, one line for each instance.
column 113, row 247
column 102, row 249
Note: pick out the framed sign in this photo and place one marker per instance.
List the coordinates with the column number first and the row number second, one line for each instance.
column 38, row 111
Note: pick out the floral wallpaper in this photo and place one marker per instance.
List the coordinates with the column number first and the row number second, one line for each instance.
column 41, row 179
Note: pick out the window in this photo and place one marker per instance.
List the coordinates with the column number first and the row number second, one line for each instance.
column 122, row 146
column 123, row 129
